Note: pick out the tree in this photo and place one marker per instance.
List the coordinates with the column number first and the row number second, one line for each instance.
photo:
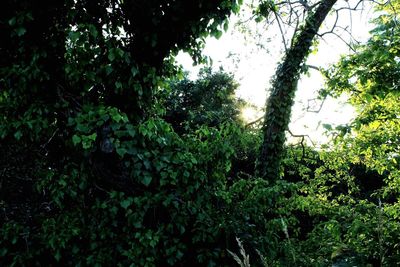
column 91, row 175
column 370, row 78
column 208, row 101
column 279, row 104
column 358, row 182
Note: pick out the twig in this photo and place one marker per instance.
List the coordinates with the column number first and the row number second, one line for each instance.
column 315, row 110
column 51, row 138
column 254, row 122
column 280, row 29
column 301, row 143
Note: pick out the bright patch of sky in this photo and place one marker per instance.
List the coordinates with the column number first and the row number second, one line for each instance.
column 252, row 53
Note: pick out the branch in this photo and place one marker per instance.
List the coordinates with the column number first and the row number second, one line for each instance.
column 51, row 138
column 280, row 29
column 301, row 143
column 254, row 122
column 340, row 37
column 303, row 136
column 315, row 110
column 313, row 67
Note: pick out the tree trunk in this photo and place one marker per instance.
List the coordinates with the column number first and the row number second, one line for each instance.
column 280, row 102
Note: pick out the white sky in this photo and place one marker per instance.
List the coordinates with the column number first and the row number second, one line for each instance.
column 253, row 68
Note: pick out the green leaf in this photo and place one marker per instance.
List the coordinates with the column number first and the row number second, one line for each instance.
column 218, row 34
column 57, row 255
column 226, row 26
column 3, row 252
column 134, row 71
column 126, row 203
column 86, row 144
column 76, row 139
column 109, row 69
column 111, row 55
column 20, row 31
column 131, row 130
column 18, row 135
column 92, row 136
column 73, row 36
column 12, row 21
column 121, row 151
column 118, row 84
column 119, row 52
column 147, row 164
column 93, row 30
column 327, row 126
column 146, row 180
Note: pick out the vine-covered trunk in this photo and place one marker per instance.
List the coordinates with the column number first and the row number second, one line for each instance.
column 279, row 104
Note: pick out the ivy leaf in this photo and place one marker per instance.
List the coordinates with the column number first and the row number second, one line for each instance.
column 92, row 136
column 134, row 71
column 74, row 36
column 146, row 180
column 86, row 145
column 147, row 164
column 12, row 21
column 121, row 151
column 76, row 139
column 111, row 56
column 57, row 255
column 20, row 31
column 109, row 69
column 126, row 203
column 118, row 84
column 327, row 126
column 18, row 135
column 93, row 30
column 131, row 130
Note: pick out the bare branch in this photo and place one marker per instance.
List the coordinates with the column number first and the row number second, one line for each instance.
column 254, row 122
column 313, row 67
column 51, row 138
column 315, row 110
column 301, row 143
column 338, row 36
column 281, row 30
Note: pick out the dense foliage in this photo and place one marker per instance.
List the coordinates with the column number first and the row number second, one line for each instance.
column 208, row 101
column 90, row 175
column 110, row 155
column 368, row 147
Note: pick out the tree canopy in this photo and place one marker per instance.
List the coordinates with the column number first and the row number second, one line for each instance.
column 111, row 155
